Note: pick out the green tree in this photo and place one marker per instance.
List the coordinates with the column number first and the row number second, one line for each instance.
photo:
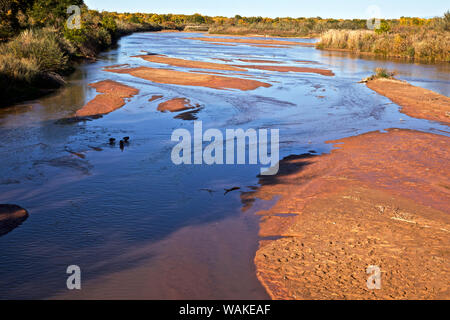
column 384, row 28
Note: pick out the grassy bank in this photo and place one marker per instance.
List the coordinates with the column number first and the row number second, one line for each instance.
column 38, row 47
column 428, row 40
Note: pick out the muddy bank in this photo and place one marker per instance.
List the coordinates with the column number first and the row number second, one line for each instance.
column 379, row 199
column 188, row 63
column 324, row 72
column 253, row 41
column 191, row 79
column 414, row 101
column 112, row 97
column 174, row 105
column 11, row 216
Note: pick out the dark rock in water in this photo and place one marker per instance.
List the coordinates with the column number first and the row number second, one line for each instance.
column 125, row 139
column 231, row 189
column 112, row 140
column 11, row 216
column 122, row 145
column 189, row 115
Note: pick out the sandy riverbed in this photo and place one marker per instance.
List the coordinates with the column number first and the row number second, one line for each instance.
column 191, row 79
column 189, row 63
column 378, row 199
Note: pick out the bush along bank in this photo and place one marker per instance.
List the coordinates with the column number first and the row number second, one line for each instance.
column 34, row 61
column 426, row 40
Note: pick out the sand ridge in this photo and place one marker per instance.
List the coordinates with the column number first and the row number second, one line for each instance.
column 415, row 101
column 324, row 72
column 175, row 105
column 220, row 66
column 191, row 79
column 254, row 41
column 188, row 63
column 112, row 97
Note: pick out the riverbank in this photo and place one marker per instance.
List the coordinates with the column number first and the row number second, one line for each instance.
column 414, row 101
column 378, row 199
column 35, row 63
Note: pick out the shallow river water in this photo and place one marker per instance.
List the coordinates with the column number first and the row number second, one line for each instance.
column 138, row 225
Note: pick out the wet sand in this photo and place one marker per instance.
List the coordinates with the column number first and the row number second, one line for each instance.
column 188, row 63
column 112, row 97
column 155, row 97
column 378, row 199
column 174, row 105
column 415, row 101
column 252, row 35
column 254, row 41
column 220, row 66
column 323, row 72
column 191, row 79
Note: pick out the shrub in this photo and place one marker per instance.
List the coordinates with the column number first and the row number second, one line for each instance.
column 43, row 47
column 383, row 73
column 426, row 43
column 20, row 69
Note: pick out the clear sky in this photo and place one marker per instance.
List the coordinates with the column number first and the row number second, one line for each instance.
column 279, row 8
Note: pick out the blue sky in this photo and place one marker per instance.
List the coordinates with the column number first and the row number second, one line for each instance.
column 279, row 8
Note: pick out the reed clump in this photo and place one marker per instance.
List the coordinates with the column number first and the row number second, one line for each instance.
column 380, row 73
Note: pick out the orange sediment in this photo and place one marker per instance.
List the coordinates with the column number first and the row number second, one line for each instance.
column 414, row 101
column 112, row 97
column 323, row 72
column 155, row 97
column 380, row 199
column 191, row 79
column 188, row 63
column 174, row 105
column 253, row 41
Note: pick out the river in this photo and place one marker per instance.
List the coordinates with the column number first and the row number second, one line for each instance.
column 138, row 225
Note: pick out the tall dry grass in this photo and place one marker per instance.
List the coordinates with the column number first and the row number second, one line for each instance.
column 33, row 59
column 421, row 44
